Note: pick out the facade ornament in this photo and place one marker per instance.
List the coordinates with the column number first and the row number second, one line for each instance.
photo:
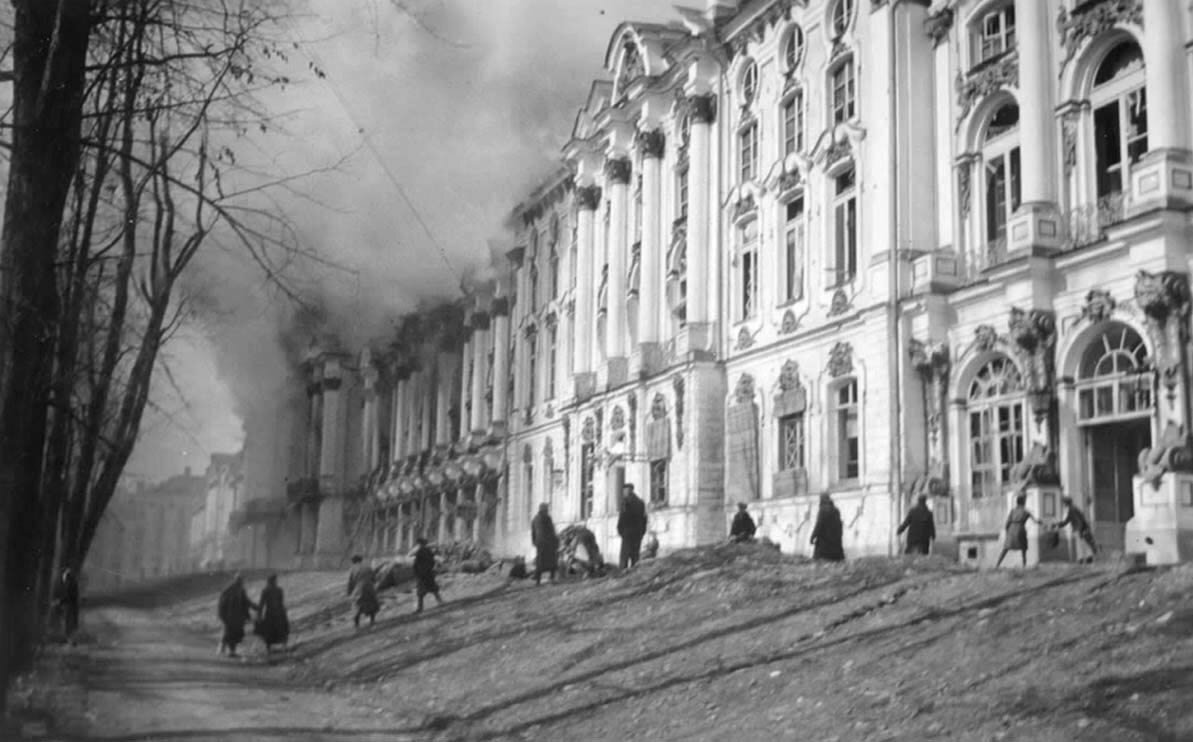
column 746, row 206
column 1092, row 19
column 789, row 376
column 1069, row 121
column 1033, row 336
column 516, row 256
column 938, row 25
column 652, row 143
column 588, row 198
column 632, row 68
column 745, row 339
column 839, row 304
column 776, row 13
column 658, row 407
column 703, row 108
column 599, row 423
column 631, row 401
column 840, row 359
column 931, row 362
column 1001, row 73
column 836, row 152
column 500, row 307
column 743, row 393
column 1098, row 307
column 617, row 418
column 1165, row 300
column 789, row 323
column 1038, row 467
column 985, row 337
column 618, row 170
column 678, row 384
column 964, row 172
column 588, row 431
column 1173, row 452
column 790, row 181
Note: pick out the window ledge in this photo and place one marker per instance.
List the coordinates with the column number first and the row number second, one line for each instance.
column 988, row 62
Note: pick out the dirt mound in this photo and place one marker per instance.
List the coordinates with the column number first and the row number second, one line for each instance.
column 462, row 556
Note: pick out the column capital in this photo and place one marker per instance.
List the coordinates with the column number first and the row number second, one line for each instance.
column 652, row 143
column 480, row 320
column 618, row 170
column 516, row 255
column 702, row 108
column 588, row 198
column 500, row 307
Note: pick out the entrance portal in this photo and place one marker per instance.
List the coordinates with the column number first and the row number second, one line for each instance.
column 1112, row 451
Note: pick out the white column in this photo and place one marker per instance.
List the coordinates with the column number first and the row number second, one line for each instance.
column 501, row 356
column 617, row 177
column 588, row 198
column 466, row 387
column 480, row 351
column 699, row 304
column 1037, row 120
column 445, row 372
column 400, row 389
column 428, row 407
column 1167, row 75
column 650, row 283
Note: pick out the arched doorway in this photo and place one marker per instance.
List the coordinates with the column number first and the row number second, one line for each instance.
column 1114, row 414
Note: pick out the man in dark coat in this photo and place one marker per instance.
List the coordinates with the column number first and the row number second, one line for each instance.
column 66, row 598
column 362, row 584
column 424, row 573
column 1076, row 520
column 273, row 625
column 920, row 527
column 826, row 535
column 234, row 610
column 743, row 527
column 546, row 544
column 631, row 526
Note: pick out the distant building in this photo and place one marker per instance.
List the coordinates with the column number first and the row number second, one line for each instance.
column 872, row 250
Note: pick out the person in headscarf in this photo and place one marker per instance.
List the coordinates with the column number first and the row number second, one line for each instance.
column 920, row 527
column 273, row 626
column 424, row 574
column 546, row 544
column 234, row 610
column 363, row 587
column 66, row 599
column 743, row 527
column 1016, row 539
column 827, row 534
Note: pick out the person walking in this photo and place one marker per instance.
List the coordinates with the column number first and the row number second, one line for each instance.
column 631, row 526
column 234, row 610
column 1016, row 538
column 827, row 533
column 1075, row 519
column 743, row 527
column 362, row 585
column 66, row 600
column 546, row 544
column 273, row 626
column 424, row 573
column 920, row 526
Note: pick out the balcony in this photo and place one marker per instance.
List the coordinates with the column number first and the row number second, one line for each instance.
column 1086, row 225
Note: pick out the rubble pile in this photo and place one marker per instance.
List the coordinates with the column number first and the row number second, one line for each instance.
column 462, row 556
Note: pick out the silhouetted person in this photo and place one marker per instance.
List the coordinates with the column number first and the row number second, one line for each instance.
column 826, row 535
column 920, row 527
column 362, row 584
column 66, row 599
column 234, row 610
column 1076, row 520
column 546, row 544
column 743, row 527
column 424, row 574
column 631, row 526
column 1017, row 530
column 273, row 626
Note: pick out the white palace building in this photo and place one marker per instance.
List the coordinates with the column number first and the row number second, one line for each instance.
column 868, row 248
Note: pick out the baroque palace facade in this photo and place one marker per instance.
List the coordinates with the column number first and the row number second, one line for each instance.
column 868, row 248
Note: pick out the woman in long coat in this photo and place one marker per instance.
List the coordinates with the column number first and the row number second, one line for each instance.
column 826, row 536
column 1016, row 539
column 234, row 610
column 546, row 544
column 363, row 586
column 273, row 626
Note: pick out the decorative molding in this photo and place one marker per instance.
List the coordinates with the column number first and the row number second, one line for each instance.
column 744, row 207
column 790, row 181
column 789, row 324
column 652, row 144
column 1001, row 72
column 840, row 359
column 964, row 194
column 745, row 339
column 789, row 376
column 1098, row 307
column 500, row 307
column 588, row 198
column 938, row 26
column 1164, row 299
column 1090, row 20
column 1069, row 122
column 619, row 170
column 1033, row 335
column 985, row 337
column 755, row 31
column 703, row 108
column 617, row 418
column 743, row 393
column 658, row 407
column 836, row 152
column 588, row 431
column 839, row 304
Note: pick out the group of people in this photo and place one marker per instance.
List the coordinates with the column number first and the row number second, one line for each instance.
column 362, row 583
column 631, row 527
column 236, row 608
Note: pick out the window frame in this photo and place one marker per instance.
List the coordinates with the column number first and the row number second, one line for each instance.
column 587, row 479
column 1130, row 392
column 1000, row 149
column 993, row 401
column 798, row 422
column 552, row 361
column 840, row 18
column 845, row 233
column 531, row 367
column 792, row 122
column 847, row 450
column 1117, row 92
column 747, row 151
column 794, row 47
column 659, row 473
column 795, row 249
column 843, row 91
column 985, row 46
column 748, row 287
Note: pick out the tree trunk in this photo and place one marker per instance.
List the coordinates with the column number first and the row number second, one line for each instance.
column 49, row 55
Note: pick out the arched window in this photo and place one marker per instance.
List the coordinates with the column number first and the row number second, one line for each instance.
column 996, row 430
column 793, row 48
column 749, row 83
column 993, row 32
column 553, row 259
column 1000, row 181
column 1119, row 102
column 1114, row 378
column 841, row 17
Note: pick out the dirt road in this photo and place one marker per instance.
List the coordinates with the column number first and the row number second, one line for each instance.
column 146, row 679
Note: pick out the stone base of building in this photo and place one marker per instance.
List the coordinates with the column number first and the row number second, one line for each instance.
column 1163, row 179
column 1162, row 529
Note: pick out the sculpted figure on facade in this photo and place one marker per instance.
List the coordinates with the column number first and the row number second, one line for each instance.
column 985, row 337
column 1098, row 307
column 1164, row 299
column 1090, row 20
column 840, row 359
column 743, row 393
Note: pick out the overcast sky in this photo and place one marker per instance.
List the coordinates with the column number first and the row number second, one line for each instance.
column 446, row 119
